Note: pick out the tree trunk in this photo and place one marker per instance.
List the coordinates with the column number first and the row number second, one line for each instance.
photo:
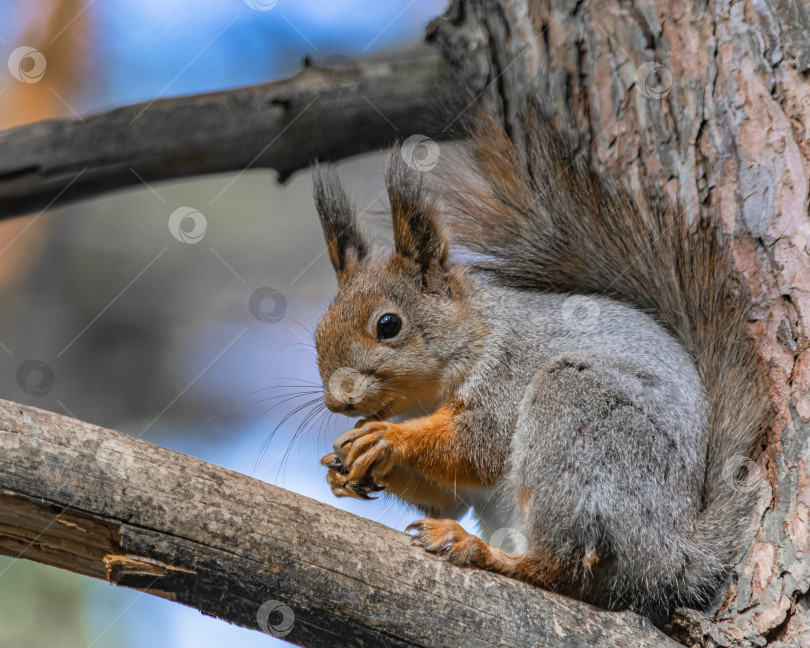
column 710, row 100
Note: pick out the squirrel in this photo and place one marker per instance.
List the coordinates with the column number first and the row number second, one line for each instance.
column 537, row 347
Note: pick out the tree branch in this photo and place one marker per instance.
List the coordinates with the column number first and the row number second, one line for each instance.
column 111, row 506
column 324, row 112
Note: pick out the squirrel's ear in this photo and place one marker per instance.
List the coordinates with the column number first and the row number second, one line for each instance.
column 345, row 243
column 415, row 215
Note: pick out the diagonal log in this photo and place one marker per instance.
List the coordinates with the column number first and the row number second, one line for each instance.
column 114, row 507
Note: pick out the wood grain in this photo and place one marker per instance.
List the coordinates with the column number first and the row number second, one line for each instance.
column 101, row 503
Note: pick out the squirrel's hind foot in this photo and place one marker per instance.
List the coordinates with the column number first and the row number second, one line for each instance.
column 448, row 539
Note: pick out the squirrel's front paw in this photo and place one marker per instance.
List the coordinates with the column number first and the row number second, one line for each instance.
column 338, row 479
column 362, row 460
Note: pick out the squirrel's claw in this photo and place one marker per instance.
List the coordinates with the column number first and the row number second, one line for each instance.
column 342, row 486
column 448, row 539
column 331, row 461
column 361, row 461
column 363, row 490
column 343, row 444
column 357, row 491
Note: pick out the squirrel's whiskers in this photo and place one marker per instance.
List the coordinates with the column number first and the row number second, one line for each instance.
column 580, row 377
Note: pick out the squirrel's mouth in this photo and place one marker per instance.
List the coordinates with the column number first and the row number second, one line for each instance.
column 355, row 410
column 382, row 413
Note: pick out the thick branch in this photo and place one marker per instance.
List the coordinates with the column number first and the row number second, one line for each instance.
column 111, row 506
column 324, row 112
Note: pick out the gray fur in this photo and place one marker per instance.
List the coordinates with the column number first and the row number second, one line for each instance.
column 624, row 427
column 610, row 436
column 546, row 221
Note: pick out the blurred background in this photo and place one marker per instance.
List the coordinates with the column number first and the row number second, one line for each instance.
column 108, row 318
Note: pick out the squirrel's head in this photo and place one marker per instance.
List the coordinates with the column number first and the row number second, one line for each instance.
column 399, row 331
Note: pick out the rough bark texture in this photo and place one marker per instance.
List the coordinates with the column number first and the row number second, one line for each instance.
column 110, row 506
column 325, row 112
column 712, row 101
column 709, row 99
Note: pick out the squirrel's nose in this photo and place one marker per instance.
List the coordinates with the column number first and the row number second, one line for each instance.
column 338, row 405
column 345, row 389
column 338, row 402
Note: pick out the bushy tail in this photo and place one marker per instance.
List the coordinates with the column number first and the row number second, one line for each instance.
column 541, row 219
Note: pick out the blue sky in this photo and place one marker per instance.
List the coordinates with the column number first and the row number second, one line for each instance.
column 137, row 51
column 194, row 46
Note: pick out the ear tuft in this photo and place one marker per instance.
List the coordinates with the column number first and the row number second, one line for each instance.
column 415, row 216
column 346, row 245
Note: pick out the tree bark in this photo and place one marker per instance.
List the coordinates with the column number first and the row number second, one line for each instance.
column 111, row 506
column 711, row 101
column 325, row 112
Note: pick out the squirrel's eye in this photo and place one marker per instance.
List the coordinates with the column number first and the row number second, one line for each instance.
column 388, row 326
